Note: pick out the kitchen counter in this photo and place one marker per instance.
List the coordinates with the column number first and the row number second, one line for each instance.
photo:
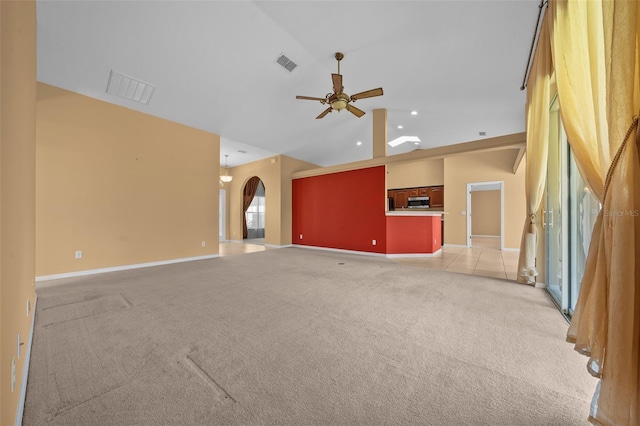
column 415, row 212
column 413, row 232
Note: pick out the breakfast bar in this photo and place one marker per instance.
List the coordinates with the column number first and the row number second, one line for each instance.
column 413, row 233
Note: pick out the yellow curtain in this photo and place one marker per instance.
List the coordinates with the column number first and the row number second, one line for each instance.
column 595, row 48
column 537, row 114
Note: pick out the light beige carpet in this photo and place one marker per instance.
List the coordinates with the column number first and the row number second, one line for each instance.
column 301, row 337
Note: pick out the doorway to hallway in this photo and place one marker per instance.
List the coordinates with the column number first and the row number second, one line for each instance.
column 485, row 215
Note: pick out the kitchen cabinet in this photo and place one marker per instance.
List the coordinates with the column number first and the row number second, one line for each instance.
column 400, row 198
column 436, row 196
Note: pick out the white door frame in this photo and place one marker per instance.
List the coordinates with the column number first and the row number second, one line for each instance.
column 470, row 186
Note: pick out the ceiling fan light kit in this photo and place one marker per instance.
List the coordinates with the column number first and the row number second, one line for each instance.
column 338, row 100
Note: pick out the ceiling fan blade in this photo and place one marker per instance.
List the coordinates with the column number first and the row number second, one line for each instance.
column 310, row 98
column 355, row 111
column 325, row 112
column 337, row 83
column 368, row 94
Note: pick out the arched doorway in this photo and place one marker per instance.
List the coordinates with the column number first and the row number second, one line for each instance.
column 254, row 210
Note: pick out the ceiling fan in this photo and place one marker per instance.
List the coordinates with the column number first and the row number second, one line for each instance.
column 339, row 100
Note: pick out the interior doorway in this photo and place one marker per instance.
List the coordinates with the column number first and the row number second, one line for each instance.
column 485, row 215
column 254, row 198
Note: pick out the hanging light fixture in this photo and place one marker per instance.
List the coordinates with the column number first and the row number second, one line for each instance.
column 226, row 177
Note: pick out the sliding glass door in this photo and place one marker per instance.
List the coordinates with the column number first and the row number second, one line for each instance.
column 570, row 214
column 583, row 211
column 554, row 218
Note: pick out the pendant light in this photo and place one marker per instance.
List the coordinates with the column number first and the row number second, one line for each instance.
column 226, row 177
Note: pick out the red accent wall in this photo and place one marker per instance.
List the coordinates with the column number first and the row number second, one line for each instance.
column 344, row 210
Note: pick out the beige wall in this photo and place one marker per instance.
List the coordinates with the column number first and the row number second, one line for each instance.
column 483, row 167
column 17, row 194
column 121, row 186
column 275, row 173
column 485, row 213
column 416, row 173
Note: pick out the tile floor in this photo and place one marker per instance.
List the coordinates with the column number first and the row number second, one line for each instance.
column 236, row 247
column 474, row 261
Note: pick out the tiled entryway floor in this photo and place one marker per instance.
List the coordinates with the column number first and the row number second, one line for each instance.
column 230, row 248
column 473, row 261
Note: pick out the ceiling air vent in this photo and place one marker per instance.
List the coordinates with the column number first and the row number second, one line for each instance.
column 129, row 88
column 286, row 63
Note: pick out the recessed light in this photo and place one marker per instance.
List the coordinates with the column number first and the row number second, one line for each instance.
column 359, row 143
column 416, row 143
column 400, row 127
column 414, row 112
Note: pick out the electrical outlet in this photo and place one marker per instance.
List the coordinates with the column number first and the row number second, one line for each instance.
column 300, row 236
column 79, row 254
column 204, row 244
column 373, row 242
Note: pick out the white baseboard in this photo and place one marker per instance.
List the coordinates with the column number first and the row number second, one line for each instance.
column 122, row 268
column 278, row 246
column 25, row 370
column 434, row 254
column 234, row 241
column 510, row 249
column 366, row 253
column 485, row 236
column 454, row 245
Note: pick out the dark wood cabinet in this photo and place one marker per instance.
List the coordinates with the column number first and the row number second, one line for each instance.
column 400, row 196
column 436, row 196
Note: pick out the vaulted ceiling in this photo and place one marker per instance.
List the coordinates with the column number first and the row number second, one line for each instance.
column 458, row 64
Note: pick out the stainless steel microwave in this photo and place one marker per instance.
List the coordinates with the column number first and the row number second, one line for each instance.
column 418, row 202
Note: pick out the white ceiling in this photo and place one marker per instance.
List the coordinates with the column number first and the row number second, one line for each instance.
column 460, row 64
